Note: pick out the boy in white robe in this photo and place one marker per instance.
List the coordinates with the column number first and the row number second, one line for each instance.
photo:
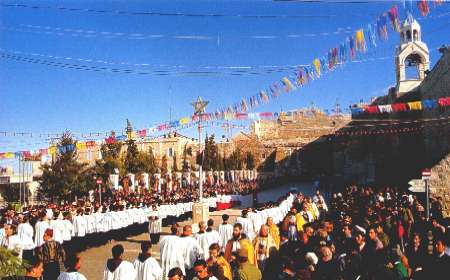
column 25, row 232
column 58, row 228
column 247, row 225
column 191, row 250
column 40, row 228
column 118, row 269
column 225, row 232
column 147, row 268
column 79, row 224
column 170, row 251
column 211, row 236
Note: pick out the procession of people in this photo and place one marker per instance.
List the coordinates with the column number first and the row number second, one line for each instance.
column 360, row 233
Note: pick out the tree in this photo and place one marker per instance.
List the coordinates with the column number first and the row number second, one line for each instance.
column 147, row 162
column 164, row 165
column 10, row 264
column 186, row 152
column 249, row 161
column 175, row 163
column 235, row 161
column 131, row 161
column 60, row 179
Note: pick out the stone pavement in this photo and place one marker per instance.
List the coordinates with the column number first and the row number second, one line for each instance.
column 93, row 259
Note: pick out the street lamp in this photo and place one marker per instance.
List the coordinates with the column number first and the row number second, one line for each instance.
column 199, row 110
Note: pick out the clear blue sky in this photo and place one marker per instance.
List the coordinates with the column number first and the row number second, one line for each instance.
column 41, row 98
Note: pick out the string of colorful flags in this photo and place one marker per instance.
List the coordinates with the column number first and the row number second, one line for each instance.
column 142, row 134
column 347, row 51
column 427, row 104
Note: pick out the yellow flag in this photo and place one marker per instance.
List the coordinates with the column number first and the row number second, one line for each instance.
column 52, row 150
column 184, row 121
column 317, row 65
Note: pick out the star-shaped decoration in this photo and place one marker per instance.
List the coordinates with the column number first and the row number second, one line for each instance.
column 199, row 106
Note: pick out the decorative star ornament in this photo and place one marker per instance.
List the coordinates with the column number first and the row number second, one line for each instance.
column 199, row 106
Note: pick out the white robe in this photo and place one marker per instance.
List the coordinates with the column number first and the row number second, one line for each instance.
column 154, row 226
column 191, row 251
column 40, row 228
column 225, row 233
column 171, row 255
column 206, row 239
column 148, row 270
column 125, row 271
column 247, row 227
column 12, row 243
column 71, row 276
column 79, row 226
column 58, row 230
column 26, row 232
column 68, row 230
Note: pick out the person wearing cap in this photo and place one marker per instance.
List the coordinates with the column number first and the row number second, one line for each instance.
column 246, row 270
column 225, row 232
column 52, row 255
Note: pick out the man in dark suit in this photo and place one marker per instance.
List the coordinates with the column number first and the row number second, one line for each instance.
column 440, row 263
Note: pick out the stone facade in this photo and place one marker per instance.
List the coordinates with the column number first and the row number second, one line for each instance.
column 440, row 183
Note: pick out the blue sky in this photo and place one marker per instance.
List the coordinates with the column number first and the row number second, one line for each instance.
column 41, row 98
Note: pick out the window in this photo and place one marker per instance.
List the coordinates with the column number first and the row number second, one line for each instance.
column 170, row 152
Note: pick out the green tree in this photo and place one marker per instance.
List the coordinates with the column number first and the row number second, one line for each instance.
column 235, row 160
column 60, row 179
column 10, row 264
column 131, row 162
column 147, row 162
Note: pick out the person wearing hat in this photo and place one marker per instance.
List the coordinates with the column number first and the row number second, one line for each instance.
column 247, row 270
column 52, row 255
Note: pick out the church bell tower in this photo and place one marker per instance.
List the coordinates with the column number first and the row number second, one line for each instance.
column 412, row 57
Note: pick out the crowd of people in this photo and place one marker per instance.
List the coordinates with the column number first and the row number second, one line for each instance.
column 360, row 233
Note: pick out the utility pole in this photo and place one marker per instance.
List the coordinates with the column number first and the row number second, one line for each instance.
column 199, row 110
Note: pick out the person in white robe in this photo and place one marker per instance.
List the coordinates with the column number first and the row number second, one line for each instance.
column 170, row 255
column 58, row 228
column 25, row 232
column 68, row 227
column 11, row 240
column 73, row 264
column 154, row 226
column 147, row 267
column 225, row 232
column 118, row 269
column 79, row 224
column 191, row 250
column 247, row 225
column 39, row 230
column 210, row 237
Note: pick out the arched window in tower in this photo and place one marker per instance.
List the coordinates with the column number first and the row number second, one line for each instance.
column 402, row 36
column 416, row 35
column 408, row 35
column 412, row 66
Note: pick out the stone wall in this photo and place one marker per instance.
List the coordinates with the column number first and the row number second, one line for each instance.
column 440, row 183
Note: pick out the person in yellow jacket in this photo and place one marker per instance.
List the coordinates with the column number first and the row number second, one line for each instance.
column 215, row 259
column 274, row 232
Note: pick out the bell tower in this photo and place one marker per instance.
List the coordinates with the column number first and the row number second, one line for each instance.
column 412, row 57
